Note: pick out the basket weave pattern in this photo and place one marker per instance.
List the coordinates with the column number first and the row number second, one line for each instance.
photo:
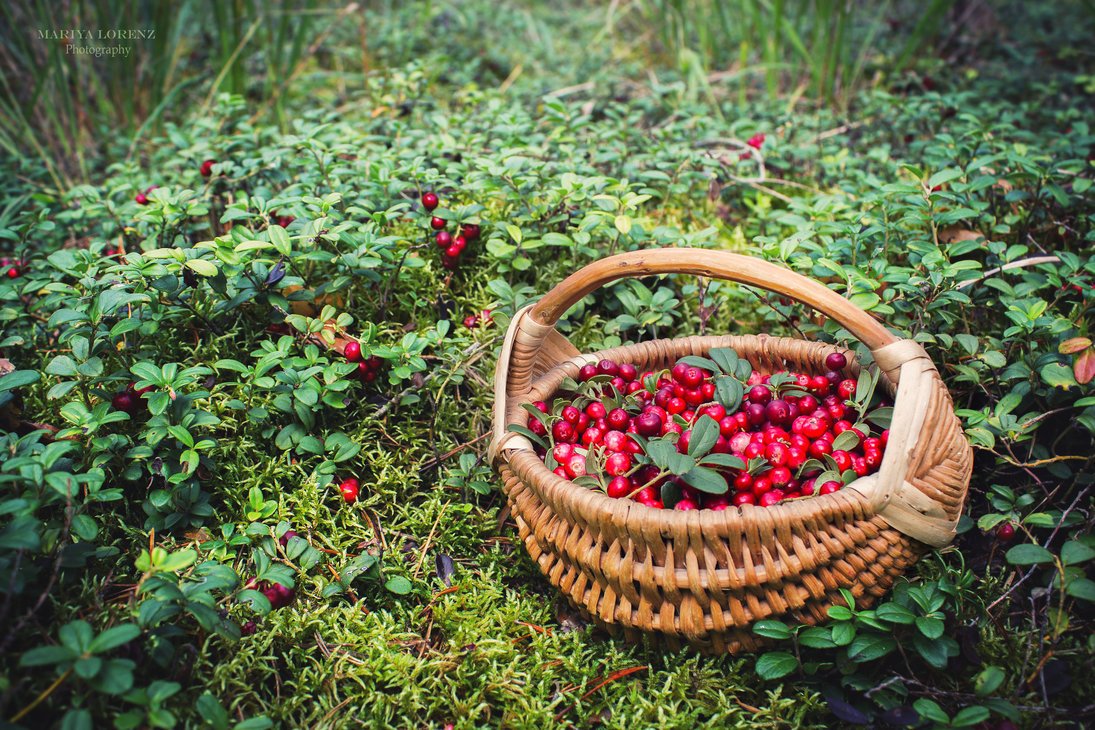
column 703, row 577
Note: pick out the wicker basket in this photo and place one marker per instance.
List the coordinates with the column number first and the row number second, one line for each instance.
column 703, row 577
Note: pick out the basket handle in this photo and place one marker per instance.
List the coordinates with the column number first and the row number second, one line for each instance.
column 533, row 326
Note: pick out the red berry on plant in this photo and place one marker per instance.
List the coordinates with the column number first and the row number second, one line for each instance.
column 444, row 239
column 1005, row 532
column 352, row 351
column 429, row 201
column 437, row 223
column 349, row 490
column 207, row 168
column 125, row 401
column 470, row 231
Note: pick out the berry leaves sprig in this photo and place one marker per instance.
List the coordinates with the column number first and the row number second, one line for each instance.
column 730, row 373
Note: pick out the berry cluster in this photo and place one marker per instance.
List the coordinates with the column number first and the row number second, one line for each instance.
column 710, row 433
column 451, row 246
column 367, row 368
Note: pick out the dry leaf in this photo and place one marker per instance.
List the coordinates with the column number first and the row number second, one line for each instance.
column 957, row 234
column 1084, row 367
column 1073, row 345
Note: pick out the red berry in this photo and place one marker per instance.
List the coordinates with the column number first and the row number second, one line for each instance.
column 756, row 141
column 778, row 412
column 770, row 498
column 1005, row 532
column 576, row 466
column 692, row 377
column 459, row 243
column 141, row 199
column 608, row 367
column 453, row 252
column 618, row 464
column 846, row 389
column 563, row 431
column 648, row 424
column 829, row 487
column 819, row 448
column 686, row 504
column 571, row 414
column 616, row 441
column 596, row 410
column 470, row 231
column 471, row 321
column 835, row 361
column 125, row 402
column 742, row 498
column 675, row 406
column 562, row 452
column 587, row 372
column 761, row 394
column 743, row 481
column 443, row 238
column 843, row 460
column 618, row 419
column 780, row 476
column 628, row 371
column 352, row 351
column 207, row 168
column 349, row 489
column 619, row 487
column 437, row 223
column 592, row 436
column 429, row 201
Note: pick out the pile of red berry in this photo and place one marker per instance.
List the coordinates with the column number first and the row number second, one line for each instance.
column 368, row 368
column 451, row 246
column 710, row 432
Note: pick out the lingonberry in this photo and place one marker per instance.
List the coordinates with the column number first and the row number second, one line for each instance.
column 587, row 372
column 437, row 223
column 459, row 243
column 835, row 361
column 846, row 389
column 125, row 401
column 576, row 466
column 444, row 239
column 352, row 351
column 596, row 410
column 619, row 487
column 761, row 394
column 628, row 371
column 618, row 464
column 618, row 418
column 470, row 231
column 207, row 168
column 648, row 424
column 453, row 251
column 608, row 367
column 563, row 431
column 686, row 504
column 349, row 490
column 1005, row 532
column 429, row 201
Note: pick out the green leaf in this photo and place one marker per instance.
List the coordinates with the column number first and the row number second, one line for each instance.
column 988, row 680
column 1029, row 554
column 895, row 613
column 1075, row 552
column 776, row 664
column 846, row 441
column 726, row 460
column 929, row 627
column 695, row 361
column 728, row 392
column 705, row 433
column 114, row 637
column 202, row 267
column 398, row 585
column 706, row 480
column 726, row 358
column 1082, row 588
column 817, row 637
column 772, row 629
column 969, row 716
column 944, row 176
column 868, row 647
column 42, row 655
column 930, row 710
column 280, row 238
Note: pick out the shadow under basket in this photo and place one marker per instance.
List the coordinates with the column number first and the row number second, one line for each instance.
column 703, row 577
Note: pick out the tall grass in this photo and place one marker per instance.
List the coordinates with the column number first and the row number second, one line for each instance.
column 63, row 109
column 821, row 48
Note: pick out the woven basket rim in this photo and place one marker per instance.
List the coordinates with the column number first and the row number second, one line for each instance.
column 598, row 507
